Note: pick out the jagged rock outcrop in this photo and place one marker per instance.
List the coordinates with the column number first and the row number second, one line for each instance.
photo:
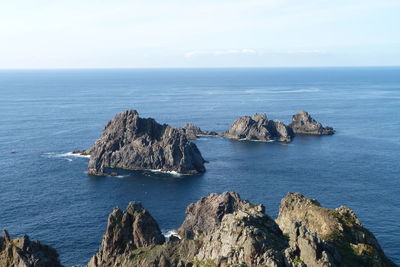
column 22, row 252
column 259, row 128
column 207, row 213
column 127, row 230
column 134, row 143
column 307, row 248
column 303, row 123
column 224, row 230
column 246, row 236
column 339, row 228
column 193, row 132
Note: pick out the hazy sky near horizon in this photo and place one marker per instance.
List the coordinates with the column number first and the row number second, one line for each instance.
column 207, row 33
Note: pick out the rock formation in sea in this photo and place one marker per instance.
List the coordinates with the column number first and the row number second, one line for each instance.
column 303, row 123
column 193, row 132
column 259, row 128
column 225, row 230
column 22, row 252
column 133, row 143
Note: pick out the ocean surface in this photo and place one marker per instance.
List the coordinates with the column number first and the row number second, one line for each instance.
column 45, row 114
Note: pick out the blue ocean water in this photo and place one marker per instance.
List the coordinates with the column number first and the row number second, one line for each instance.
column 44, row 114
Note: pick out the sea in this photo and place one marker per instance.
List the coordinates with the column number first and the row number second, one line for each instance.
column 46, row 193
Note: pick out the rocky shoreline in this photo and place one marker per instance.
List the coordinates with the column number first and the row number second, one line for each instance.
column 223, row 230
column 133, row 143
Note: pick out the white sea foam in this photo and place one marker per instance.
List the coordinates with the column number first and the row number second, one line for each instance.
column 264, row 141
column 307, row 90
column 168, row 172
column 268, row 91
column 120, row 176
column 65, row 156
column 71, row 154
column 169, row 233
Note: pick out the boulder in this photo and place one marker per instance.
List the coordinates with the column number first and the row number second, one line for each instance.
column 303, row 123
column 259, row 128
column 133, row 143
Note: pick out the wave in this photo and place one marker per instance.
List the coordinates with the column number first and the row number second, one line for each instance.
column 251, row 140
column 69, row 156
column 168, row 172
column 306, row 90
column 119, row 176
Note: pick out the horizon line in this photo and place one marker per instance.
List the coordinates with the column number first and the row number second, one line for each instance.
column 218, row 67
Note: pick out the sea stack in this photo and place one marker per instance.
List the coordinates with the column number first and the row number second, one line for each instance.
column 133, row 143
column 193, row 132
column 225, row 230
column 259, row 128
column 303, row 123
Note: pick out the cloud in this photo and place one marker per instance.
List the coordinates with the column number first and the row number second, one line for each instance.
column 304, row 52
column 244, row 51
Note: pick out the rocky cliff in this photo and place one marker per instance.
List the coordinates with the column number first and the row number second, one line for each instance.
column 225, row 230
column 303, row 123
column 134, row 143
column 126, row 231
column 258, row 127
column 339, row 228
column 22, row 252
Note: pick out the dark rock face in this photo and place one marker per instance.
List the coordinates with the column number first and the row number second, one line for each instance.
column 259, row 128
column 134, row 143
column 224, row 230
column 193, row 132
column 303, row 123
column 23, row 252
column 132, row 229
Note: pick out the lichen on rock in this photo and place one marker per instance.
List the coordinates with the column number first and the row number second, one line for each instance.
column 340, row 228
column 225, row 230
column 22, row 252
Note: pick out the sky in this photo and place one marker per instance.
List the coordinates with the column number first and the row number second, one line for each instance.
column 204, row 33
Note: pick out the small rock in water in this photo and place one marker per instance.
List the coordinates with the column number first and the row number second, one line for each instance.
column 303, row 123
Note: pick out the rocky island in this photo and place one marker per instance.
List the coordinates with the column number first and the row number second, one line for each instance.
column 303, row 123
column 259, row 128
column 225, row 230
column 133, row 143
column 193, row 132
